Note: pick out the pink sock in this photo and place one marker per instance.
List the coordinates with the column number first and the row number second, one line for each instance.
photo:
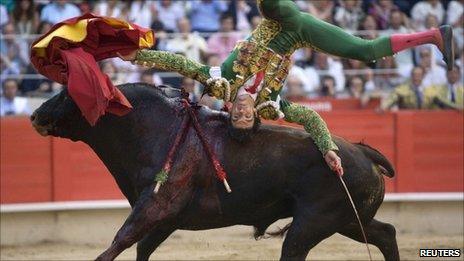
column 401, row 42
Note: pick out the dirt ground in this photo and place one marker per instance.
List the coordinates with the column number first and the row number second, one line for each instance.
column 235, row 243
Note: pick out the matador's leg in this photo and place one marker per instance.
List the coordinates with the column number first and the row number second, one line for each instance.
column 334, row 40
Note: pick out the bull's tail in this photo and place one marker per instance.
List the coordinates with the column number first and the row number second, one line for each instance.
column 383, row 164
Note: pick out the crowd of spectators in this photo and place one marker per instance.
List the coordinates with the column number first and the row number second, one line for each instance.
column 207, row 30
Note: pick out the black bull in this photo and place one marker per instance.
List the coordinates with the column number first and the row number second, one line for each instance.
column 278, row 174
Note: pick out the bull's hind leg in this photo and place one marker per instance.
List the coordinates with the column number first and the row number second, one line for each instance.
column 381, row 235
column 308, row 229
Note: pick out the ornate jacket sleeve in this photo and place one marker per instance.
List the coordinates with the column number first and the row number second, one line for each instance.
column 312, row 123
column 173, row 63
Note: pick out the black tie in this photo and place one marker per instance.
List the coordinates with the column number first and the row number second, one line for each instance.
column 453, row 95
column 419, row 97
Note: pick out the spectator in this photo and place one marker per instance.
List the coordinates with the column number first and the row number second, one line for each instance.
column 112, row 8
column 327, row 86
column 59, row 10
column 356, row 87
column 243, row 11
column 4, row 19
column 321, row 9
column 111, row 70
column 388, row 80
column 141, row 12
column 369, row 27
column 223, row 43
column 206, row 15
column 190, row 45
column 213, row 60
column 412, row 95
column 423, row 8
column 189, row 85
column 10, row 103
column 13, row 51
column 381, row 10
column 348, row 14
column 455, row 17
column 434, row 73
column 149, row 76
column 169, row 13
column 294, row 90
column 325, row 65
column 299, row 74
column 25, row 17
column 451, row 95
column 404, row 59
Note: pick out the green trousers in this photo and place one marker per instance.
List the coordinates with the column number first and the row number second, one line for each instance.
column 300, row 27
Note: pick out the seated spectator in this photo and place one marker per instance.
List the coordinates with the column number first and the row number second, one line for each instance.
column 46, row 89
column 451, row 95
column 206, row 15
column 25, row 17
column 455, row 17
column 327, row 87
column 149, row 76
column 412, row 95
column 325, row 65
column 298, row 74
column 213, row 60
column 112, row 8
column 189, row 85
column 10, row 103
column 348, row 14
column 141, row 12
column 169, row 12
column 321, row 9
column 381, row 10
column 13, row 51
column 423, row 8
column 110, row 69
column 434, row 73
column 58, row 11
column 369, row 27
column 388, row 80
column 192, row 46
column 243, row 11
column 294, row 90
column 356, row 87
column 4, row 19
column 223, row 42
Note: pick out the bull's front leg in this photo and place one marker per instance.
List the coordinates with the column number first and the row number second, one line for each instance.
column 151, row 211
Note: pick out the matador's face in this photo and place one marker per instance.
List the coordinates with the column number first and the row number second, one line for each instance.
column 243, row 112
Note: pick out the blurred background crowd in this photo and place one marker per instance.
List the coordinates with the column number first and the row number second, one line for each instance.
column 207, row 30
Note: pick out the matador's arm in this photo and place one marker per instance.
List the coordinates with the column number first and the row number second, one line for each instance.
column 173, row 63
column 312, row 123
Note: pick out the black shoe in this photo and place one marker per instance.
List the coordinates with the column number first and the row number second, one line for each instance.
column 446, row 33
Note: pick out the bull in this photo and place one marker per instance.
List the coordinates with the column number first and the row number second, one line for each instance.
column 278, row 174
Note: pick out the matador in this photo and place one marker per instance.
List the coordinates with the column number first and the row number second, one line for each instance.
column 253, row 74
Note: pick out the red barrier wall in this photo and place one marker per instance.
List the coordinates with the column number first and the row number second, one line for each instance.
column 425, row 147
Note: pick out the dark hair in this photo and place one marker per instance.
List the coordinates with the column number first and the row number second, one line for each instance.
column 243, row 135
column 18, row 12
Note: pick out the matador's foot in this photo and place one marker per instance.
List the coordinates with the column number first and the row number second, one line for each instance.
column 447, row 48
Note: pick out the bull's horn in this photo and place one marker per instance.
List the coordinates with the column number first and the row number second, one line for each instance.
column 157, row 187
column 227, row 186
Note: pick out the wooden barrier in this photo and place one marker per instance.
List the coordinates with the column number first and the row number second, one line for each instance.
column 426, row 148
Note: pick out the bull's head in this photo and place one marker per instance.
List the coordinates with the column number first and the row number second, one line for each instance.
column 60, row 117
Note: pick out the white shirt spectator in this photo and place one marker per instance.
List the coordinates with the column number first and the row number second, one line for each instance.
column 170, row 14
column 103, row 8
column 191, row 46
column 141, row 13
column 420, row 11
column 404, row 59
column 310, row 83
column 17, row 106
column 3, row 16
column 435, row 76
column 334, row 69
column 55, row 13
column 454, row 12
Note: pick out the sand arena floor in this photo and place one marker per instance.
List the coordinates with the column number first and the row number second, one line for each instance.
column 234, row 243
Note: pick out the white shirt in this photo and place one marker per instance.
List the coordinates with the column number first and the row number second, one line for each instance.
column 191, row 47
column 169, row 15
column 17, row 106
column 335, row 69
column 420, row 11
column 436, row 76
column 454, row 12
column 54, row 13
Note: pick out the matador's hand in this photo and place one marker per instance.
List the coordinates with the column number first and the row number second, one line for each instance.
column 334, row 162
